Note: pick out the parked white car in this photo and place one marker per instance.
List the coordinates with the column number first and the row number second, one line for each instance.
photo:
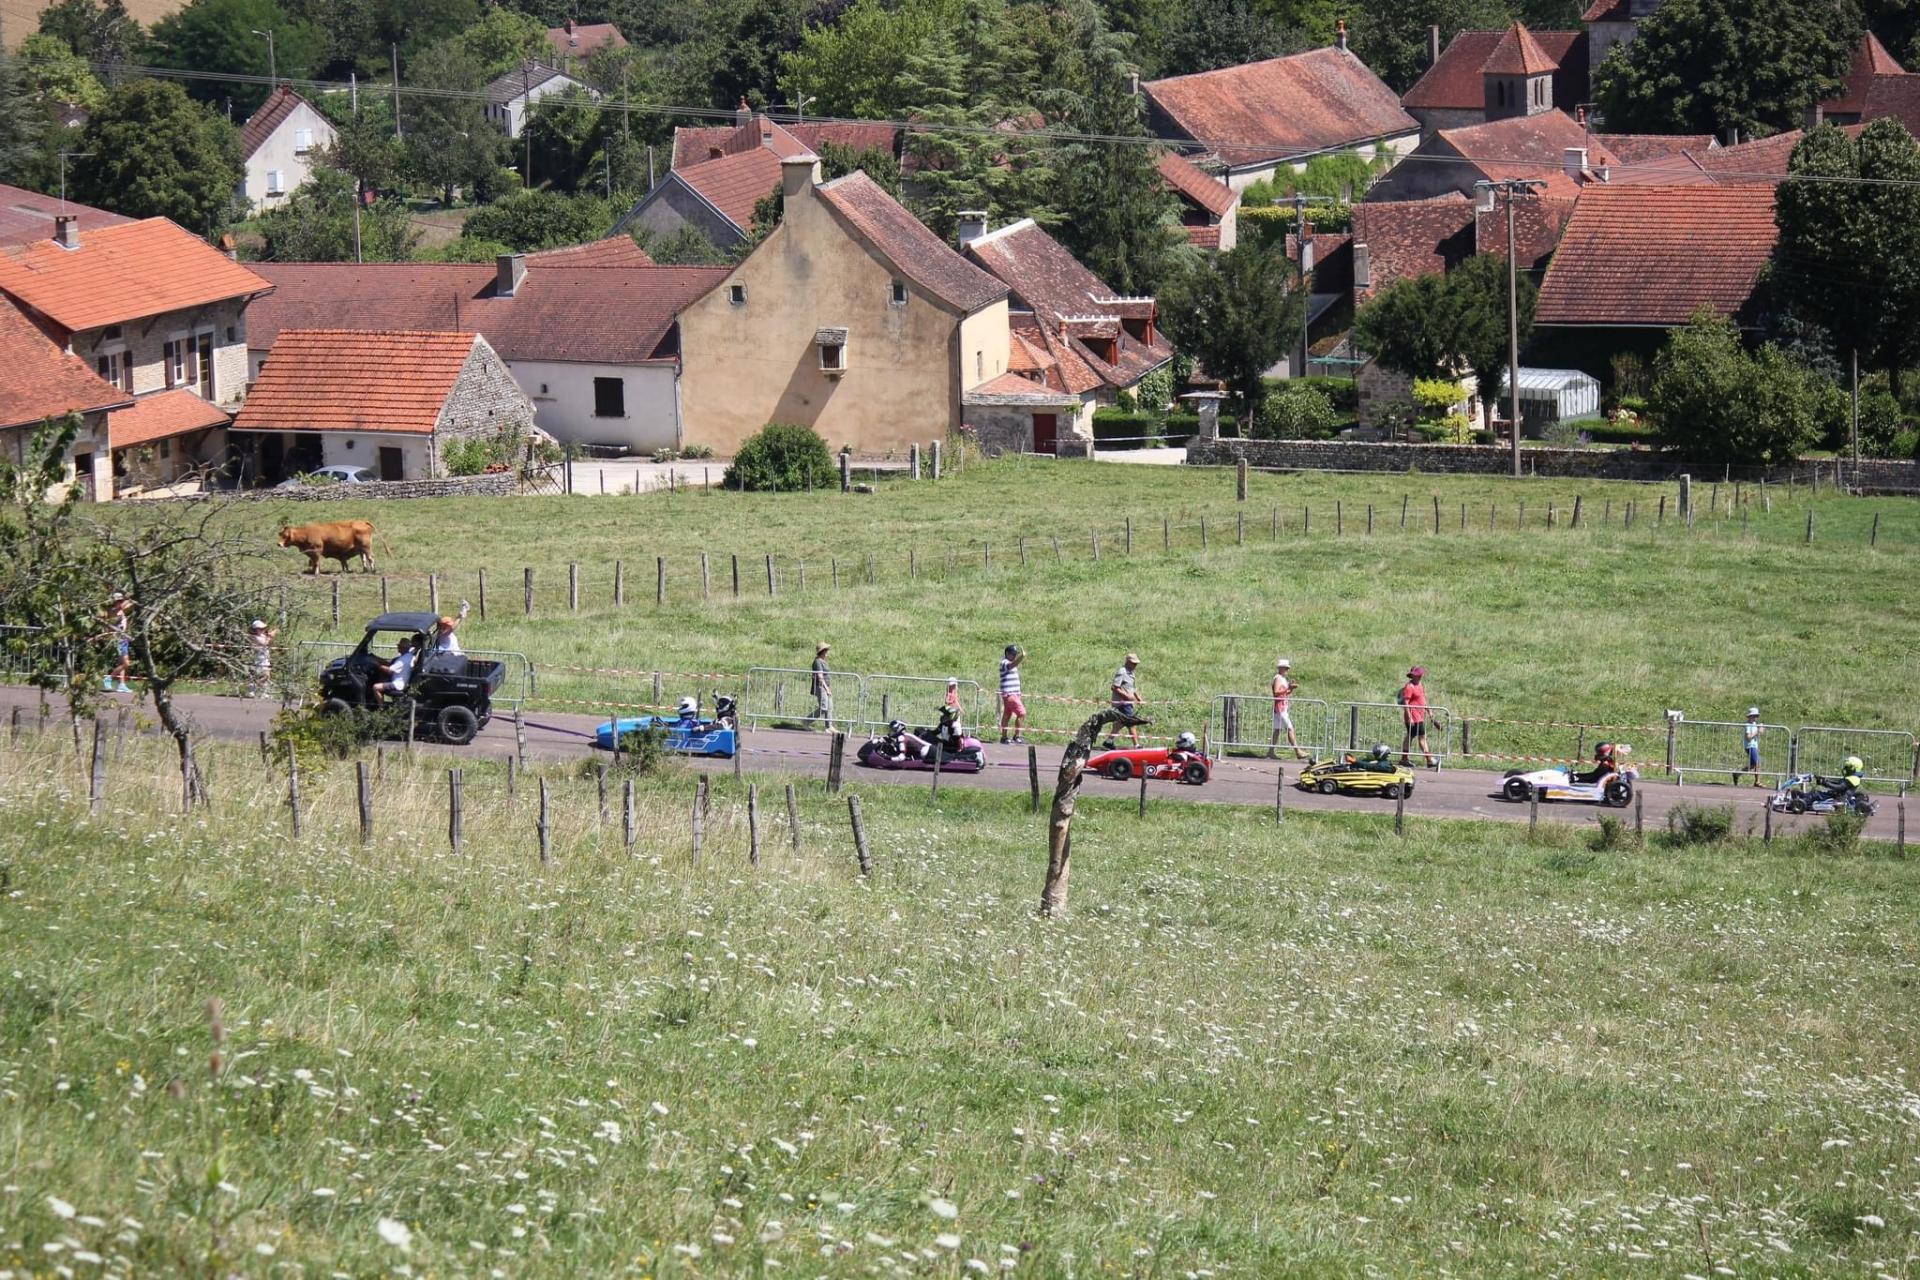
column 327, row 475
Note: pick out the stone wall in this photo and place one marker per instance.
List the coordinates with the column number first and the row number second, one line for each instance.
column 485, row 401
column 497, row 485
column 1875, row 475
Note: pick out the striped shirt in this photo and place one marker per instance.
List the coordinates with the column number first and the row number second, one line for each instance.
column 1009, row 676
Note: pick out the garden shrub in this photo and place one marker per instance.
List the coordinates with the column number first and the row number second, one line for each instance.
column 1697, row 824
column 1154, row 393
column 1611, row 835
column 782, row 457
column 1840, row 833
column 474, row 455
column 1295, row 412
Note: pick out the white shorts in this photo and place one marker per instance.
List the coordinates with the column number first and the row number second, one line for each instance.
column 1282, row 720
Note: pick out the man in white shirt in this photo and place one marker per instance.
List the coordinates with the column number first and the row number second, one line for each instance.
column 399, row 671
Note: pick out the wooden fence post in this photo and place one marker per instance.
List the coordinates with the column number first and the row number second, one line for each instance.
column 454, row 831
column 482, row 594
column 97, row 772
column 600, row 780
column 706, row 579
column 859, row 836
column 1873, row 538
column 573, row 586
column 753, row 824
column 939, row 763
column 1533, row 811
column 1404, row 499
column 836, row 752
column 1809, row 526
column 1033, row 777
column 520, row 736
column 293, row 788
column 1239, row 528
column 1203, row 533
column 513, row 775
column 544, row 827
column 529, row 591
column 1130, row 532
column 699, row 816
column 1400, row 811
column 659, row 580
column 1436, row 513
column 384, row 606
column 1143, row 791
column 1336, row 508
column 1096, row 545
column 1166, row 533
column 771, row 589
column 1639, row 814
column 735, row 556
column 627, row 833
column 336, row 603
column 1280, row 795
column 363, row 789
column 793, row 818
column 1240, row 481
column 619, row 582
column 433, row 594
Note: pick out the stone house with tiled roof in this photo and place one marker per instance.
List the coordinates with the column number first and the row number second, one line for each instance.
column 850, row 317
column 1260, row 116
column 41, row 379
column 1487, row 75
column 590, row 332
column 1548, row 147
column 26, row 216
column 161, row 315
column 1070, row 333
column 279, row 145
column 387, row 400
column 751, row 129
column 573, row 42
column 1871, row 65
column 1209, row 208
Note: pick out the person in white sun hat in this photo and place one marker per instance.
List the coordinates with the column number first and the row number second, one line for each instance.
column 1750, row 737
column 260, row 640
column 1283, row 687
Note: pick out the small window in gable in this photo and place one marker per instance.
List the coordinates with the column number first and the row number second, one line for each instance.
column 899, row 295
column 832, row 344
column 737, row 294
column 302, row 141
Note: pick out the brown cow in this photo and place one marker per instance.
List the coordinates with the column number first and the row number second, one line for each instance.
column 340, row 540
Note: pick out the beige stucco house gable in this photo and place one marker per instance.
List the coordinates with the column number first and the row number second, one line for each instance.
column 850, row 317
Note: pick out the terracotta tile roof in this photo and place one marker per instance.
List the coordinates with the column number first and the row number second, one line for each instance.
column 904, row 241
column 610, row 251
column 1651, row 256
column 273, row 113
column 1607, row 11
column 1870, row 61
column 1332, row 259
column 1024, row 357
column 1537, row 225
column 1519, row 54
column 121, row 273
column 1320, row 100
column 584, row 39
column 1017, row 389
column 586, row 315
column 1456, row 82
column 1065, row 368
column 161, row 415
column 1408, row 238
column 1203, row 237
column 1633, row 148
column 1529, row 147
column 40, row 378
column 1196, row 184
column 692, row 146
column 734, row 183
column 26, row 216
column 521, row 80
column 1070, row 303
column 1896, row 96
column 345, row 380
column 1764, row 161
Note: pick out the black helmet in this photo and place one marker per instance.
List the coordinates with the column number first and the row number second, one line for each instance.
column 1381, row 751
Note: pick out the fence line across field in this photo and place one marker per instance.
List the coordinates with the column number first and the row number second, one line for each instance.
column 1888, row 754
column 784, row 697
column 1241, row 723
column 1719, row 747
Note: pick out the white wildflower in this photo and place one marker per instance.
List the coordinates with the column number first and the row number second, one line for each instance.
column 396, row 1233
column 60, row 1208
column 947, row 1240
column 943, row 1208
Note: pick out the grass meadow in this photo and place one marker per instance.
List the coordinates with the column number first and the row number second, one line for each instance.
column 1310, row 1049
column 1605, row 623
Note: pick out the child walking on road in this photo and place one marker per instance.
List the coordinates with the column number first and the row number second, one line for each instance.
column 1013, row 710
column 1750, row 739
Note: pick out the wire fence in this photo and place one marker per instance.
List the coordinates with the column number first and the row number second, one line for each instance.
column 1249, row 724
column 1719, row 748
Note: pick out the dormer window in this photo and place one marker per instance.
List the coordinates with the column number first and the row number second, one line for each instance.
column 832, row 345
column 898, row 296
column 737, row 295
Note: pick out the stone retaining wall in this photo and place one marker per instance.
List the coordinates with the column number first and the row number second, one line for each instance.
column 487, row 486
column 1876, row 475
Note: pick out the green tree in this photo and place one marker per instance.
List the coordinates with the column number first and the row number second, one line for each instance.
column 682, row 247
column 1224, row 35
column 1848, row 258
column 563, row 137
column 1439, row 326
column 961, row 160
column 1295, row 411
column 1713, row 401
column 1390, row 36
column 530, row 220
column 1115, row 213
column 501, row 40
column 23, row 122
column 450, row 143
column 1236, row 313
column 157, row 153
column 315, row 224
column 1710, row 66
column 782, row 457
column 58, row 74
column 96, row 32
column 851, row 67
column 217, row 35
column 1478, row 288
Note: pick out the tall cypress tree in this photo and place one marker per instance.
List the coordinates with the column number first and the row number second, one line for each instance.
column 22, row 121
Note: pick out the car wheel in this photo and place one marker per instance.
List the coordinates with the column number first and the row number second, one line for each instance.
column 1391, row 791
column 1328, row 786
column 1796, row 804
column 1516, row 789
column 1619, row 794
column 457, row 725
column 335, row 707
column 1120, row 770
column 1195, row 772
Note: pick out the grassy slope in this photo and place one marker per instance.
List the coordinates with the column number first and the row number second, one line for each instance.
column 1305, row 1050
column 1601, row 624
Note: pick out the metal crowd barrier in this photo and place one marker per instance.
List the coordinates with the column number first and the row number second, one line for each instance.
column 1887, row 753
column 1720, row 747
column 1242, row 724
column 516, row 684
column 783, row 697
column 917, row 699
column 1355, row 726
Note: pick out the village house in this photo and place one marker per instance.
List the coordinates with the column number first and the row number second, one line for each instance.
column 1549, row 147
column 512, row 95
column 390, row 401
column 850, row 317
column 39, row 380
column 573, row 43
column 279, row 145
column 1496, row 75
column 589, row 332
column 1610, row 23
column 157, row 313
column 1209, row 208
column 1070, row 333
column 1260, row 116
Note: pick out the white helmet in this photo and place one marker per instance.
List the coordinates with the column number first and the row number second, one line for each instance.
column 688, row 706
column 1185, row 742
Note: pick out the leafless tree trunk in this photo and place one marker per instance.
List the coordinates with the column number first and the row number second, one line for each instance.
column 1073, row 766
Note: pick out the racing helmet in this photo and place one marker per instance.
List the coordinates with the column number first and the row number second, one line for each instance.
column 896, row 727
column 1853, row 764
column 1185, row 742
column 1603, row 752
column 1380, row 751
column 688, row 707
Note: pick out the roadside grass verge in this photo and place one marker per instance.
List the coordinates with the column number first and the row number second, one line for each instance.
column 1254, row 1050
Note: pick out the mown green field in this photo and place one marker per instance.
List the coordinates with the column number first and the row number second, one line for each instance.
column 1603, row 624
column 1246, row 1050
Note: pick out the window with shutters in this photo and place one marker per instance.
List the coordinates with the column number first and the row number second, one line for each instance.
column 275, row 185
column 609, row 397
column 203, row 364
column 302, row 141
column 173, row 357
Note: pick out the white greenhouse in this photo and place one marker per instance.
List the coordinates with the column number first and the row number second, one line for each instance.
column 1550, row 396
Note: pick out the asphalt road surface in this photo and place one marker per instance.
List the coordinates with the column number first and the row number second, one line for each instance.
column 1447, row 793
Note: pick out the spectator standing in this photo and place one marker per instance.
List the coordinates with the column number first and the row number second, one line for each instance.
column 1750, row 738
column 118, row 617
column 260, row 639
column 822, row 687
column 1413, row 712
column 1283, row 687
column 1013, row 710
column 1125, row 692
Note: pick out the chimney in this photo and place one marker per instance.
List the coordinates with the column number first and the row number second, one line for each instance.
column 799, row 175
column 1482, row 199
column 743, row 114
column 1340, row 36
column 509, row 272
column 66, row 231
column 1362, row 267
column 1574, row 161
column 1433, row 43
column 1816, row 116
column 970, row 226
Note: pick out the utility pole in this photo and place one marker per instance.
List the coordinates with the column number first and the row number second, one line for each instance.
column 526, row 118
column 1510, row 187
column 800, row 105
column 273, row 65
column 1300, row 238
column 80, row 155
column 1853, row 431
column 394, row 50
column 359, row 183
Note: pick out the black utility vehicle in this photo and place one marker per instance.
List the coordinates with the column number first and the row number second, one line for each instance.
column 452, row 694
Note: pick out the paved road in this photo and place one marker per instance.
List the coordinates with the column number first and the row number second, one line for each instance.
column 1450, row 793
